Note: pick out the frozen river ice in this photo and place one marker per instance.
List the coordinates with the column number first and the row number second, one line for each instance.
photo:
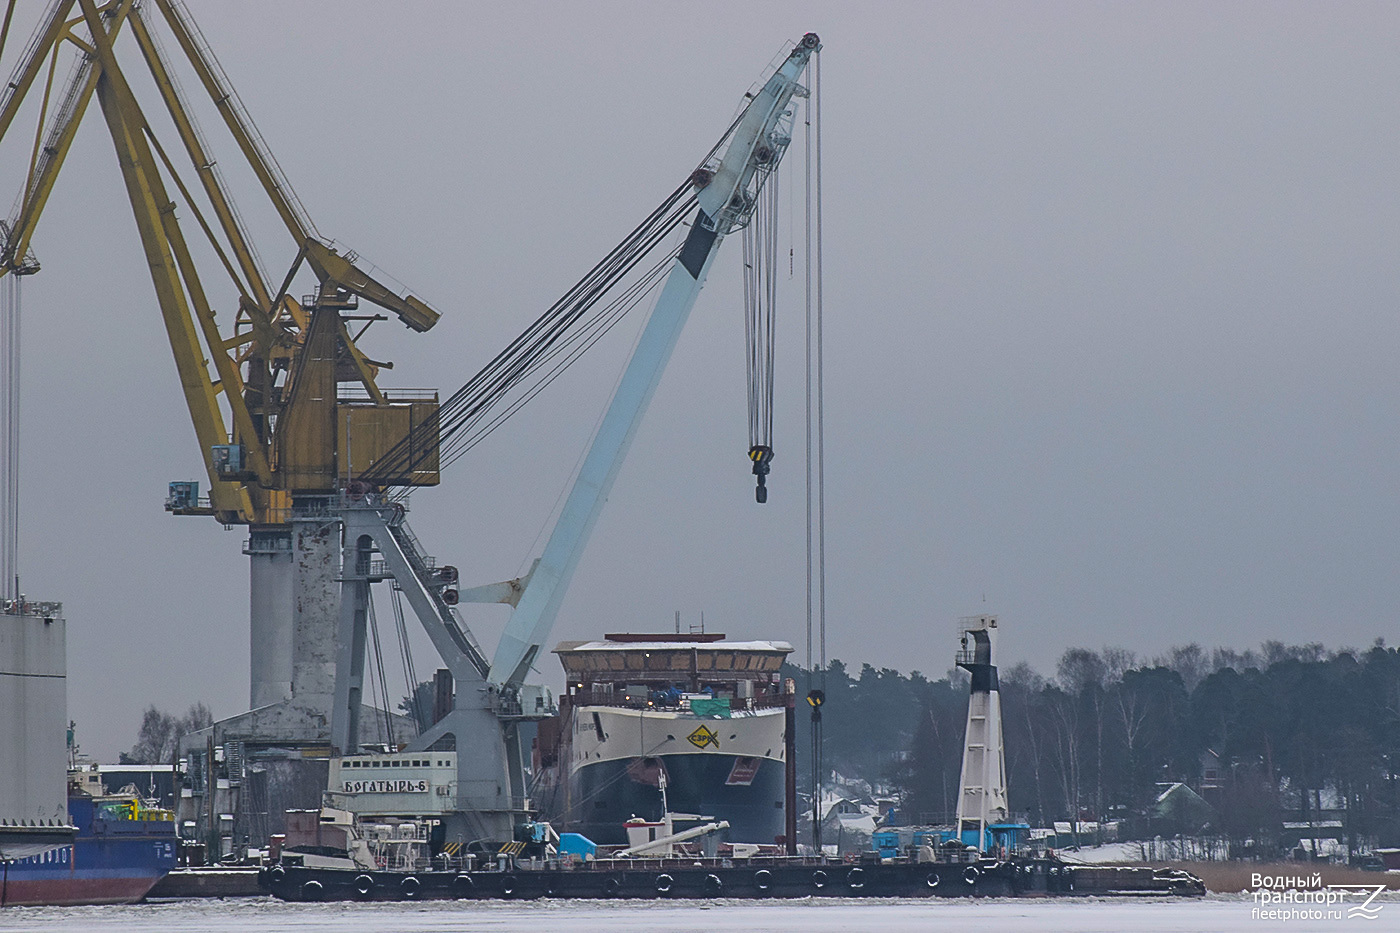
column 255, row 915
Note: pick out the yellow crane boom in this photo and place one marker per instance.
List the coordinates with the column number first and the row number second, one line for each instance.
column 263, row 393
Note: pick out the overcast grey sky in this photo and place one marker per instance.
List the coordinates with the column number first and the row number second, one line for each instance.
column 1111, row 304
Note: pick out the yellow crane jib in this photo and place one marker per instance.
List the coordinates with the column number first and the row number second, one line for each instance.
column 265, row 385
column 331, row 267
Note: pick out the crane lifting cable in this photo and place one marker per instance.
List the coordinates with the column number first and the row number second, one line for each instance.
column 410, row 672
column 544, row 349
column 760, row 302
column 377, row 668
column 552, row 342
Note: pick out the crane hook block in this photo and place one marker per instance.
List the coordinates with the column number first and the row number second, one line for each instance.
column 762, row 456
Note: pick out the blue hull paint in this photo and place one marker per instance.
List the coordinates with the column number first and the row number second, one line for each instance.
column 112, row 860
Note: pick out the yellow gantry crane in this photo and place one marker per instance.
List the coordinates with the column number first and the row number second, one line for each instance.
column 262, row 377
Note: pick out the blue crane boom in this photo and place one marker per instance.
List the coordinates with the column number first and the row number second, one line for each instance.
column 727, row 199
column 489, row 702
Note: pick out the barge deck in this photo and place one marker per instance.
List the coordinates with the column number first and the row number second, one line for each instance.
column 776, row 877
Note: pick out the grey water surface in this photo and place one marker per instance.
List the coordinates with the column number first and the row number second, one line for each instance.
column 255, row 915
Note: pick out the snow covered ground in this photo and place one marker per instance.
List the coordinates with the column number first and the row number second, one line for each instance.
column 1109, row 854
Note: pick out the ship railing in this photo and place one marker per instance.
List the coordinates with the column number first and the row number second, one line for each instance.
column 486, row 862
column 621, row 701
column 679, row 860
column 380, row 570
column 156, row 816
column 422, row 564
column 475, row 862
column 359, row 394
column 29, row 607
column 312, row 510
column 267, row 544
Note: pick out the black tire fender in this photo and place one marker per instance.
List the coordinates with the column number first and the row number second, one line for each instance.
column 819, row 879
column 664, row 883
column 763, row 879
column 971, row 874
column 311, row 891
column 855, row 879
column 364, row 884
column 409, row 886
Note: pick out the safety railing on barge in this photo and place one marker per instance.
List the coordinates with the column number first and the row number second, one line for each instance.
column 489, row 862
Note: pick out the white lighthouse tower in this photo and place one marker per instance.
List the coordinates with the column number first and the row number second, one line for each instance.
column 982, row 791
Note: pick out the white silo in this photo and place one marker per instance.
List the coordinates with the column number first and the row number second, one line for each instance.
column 33, row 728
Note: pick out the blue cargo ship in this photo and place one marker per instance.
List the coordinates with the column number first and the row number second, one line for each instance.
column 120, row 850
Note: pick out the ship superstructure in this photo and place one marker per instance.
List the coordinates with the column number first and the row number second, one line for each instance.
column 705, row 719
column 410, row 785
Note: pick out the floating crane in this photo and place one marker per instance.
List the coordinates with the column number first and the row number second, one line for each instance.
column 278, row 431
column 282, row 398
column 491, row 697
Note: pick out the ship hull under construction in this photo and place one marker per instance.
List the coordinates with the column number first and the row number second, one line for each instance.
column 686, row 724
column 744, row 787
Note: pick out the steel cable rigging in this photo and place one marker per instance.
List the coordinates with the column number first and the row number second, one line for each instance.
column 816, row 445
column 570, row 347
column 547, row 347
column 760, row 303
column 410, row 672
column 9, row 435
column 551, row 343
column 380, row 690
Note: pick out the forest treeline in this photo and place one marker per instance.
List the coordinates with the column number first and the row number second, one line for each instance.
column 1288, row 732
column 1284, row 730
